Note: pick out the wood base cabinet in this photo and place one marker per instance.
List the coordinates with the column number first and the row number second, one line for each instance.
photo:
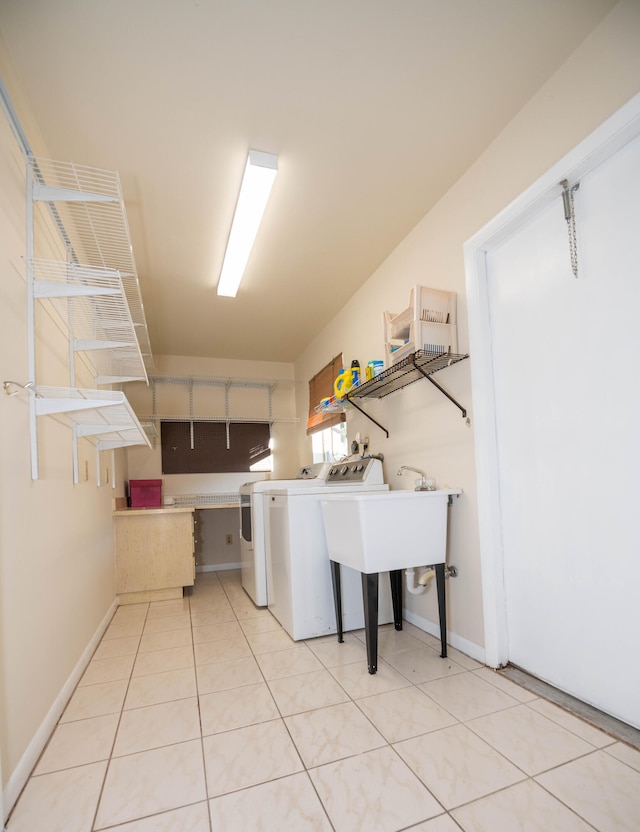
column 154, row 553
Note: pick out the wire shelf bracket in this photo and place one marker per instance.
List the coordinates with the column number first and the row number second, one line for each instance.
column 105, row 417
column 417, row 365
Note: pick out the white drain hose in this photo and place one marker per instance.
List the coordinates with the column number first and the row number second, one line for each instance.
column 423, row 580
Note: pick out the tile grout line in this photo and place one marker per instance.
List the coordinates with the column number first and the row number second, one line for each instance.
column 286, row 727
column 122, row 709
column 124, row 699
column 204, row 761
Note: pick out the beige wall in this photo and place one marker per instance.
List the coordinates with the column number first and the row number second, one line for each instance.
column 211, row 530
column 425, row 429
column 57, row 579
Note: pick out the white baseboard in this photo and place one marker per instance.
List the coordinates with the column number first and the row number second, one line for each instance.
column 469, row 648
column 22, row 771
column 217, row 567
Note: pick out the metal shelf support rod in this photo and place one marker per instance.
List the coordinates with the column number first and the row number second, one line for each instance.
column 442, row 390
column 31, row 327
column 370, row 418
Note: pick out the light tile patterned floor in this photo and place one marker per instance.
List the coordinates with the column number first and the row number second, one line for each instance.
column 201, row 715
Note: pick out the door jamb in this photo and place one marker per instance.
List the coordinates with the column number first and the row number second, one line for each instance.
column 621, row 128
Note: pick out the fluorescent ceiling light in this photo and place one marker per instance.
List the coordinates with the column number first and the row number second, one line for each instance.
column 259, row 174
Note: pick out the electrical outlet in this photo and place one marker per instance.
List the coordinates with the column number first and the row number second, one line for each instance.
column 229, row 538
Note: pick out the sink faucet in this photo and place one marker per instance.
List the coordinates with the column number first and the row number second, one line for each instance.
column 422, row 486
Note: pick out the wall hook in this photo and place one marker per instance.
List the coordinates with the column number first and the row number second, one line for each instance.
column 9, row 385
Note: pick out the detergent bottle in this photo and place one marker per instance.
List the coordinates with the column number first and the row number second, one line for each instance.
column 374, row 368
column 355, row 371
column 342, row 384
column 346, row 379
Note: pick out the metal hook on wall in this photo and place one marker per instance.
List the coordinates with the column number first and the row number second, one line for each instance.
column 9, row 385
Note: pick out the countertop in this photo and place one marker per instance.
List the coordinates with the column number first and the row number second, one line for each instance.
column 169, row 509
column 129, row 512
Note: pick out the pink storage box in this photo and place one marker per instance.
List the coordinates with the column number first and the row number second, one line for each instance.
column 145, row 493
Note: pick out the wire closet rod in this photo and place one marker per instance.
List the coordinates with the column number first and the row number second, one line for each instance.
column 219, row 381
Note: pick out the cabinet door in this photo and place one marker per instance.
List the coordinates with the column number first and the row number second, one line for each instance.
column 154, row 551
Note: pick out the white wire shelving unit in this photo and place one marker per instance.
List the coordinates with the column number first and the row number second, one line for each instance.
column 267, row 386
column 96, row 292
column 105, row 415
column 94, row 304
column 225, row 499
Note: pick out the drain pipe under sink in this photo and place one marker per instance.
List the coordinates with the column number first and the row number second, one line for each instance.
column 423, row 580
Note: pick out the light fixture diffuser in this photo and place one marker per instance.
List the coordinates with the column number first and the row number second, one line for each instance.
column 259, row 174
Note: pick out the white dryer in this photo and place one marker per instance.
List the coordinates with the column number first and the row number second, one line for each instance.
column 253, row 526
column 299, row 588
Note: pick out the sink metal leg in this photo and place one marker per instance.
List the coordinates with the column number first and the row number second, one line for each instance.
column 337, row 597
column 395, row 577
column 370, row 599
column 442, row 608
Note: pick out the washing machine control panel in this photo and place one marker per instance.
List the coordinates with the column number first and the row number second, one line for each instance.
column 356, row 471
column 314, row 471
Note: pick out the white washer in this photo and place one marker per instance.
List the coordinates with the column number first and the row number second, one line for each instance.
column 299, row 585
column 253, row 526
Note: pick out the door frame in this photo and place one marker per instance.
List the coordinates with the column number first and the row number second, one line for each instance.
column 611, row 136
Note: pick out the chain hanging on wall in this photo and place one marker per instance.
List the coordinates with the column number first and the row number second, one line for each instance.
column 570, row 217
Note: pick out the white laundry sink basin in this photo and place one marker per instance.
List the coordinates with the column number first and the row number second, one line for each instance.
column 387, row 530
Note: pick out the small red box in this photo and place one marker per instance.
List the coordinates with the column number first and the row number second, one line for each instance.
column 145, row 493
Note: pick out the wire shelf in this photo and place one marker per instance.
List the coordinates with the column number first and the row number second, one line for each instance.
column 334, row 406
column 94, row 304
column 150, row 429
column 103, row 416
column 88, row 208
column 269, row 420
column 207, row 500
column 412, row 368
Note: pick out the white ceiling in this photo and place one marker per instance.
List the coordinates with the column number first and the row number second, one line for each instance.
column 374, row 107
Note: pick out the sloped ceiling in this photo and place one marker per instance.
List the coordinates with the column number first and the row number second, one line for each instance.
column 374, row 108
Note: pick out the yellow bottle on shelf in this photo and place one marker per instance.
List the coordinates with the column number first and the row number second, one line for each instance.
column 343, row 383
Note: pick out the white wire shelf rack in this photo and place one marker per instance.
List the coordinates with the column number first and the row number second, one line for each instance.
column 150, row 429
column 196, row 500
column 94, row 287
column 270, row 420
column 333, row 406
column 88, row 208
column 417, row 365
column 268, row 384
column 94, row 304
column 228, row 384
column 103, row 416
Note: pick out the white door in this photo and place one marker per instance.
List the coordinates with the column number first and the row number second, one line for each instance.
column 566, row 360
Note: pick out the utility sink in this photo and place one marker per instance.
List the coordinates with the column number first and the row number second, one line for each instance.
column 387, row 530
